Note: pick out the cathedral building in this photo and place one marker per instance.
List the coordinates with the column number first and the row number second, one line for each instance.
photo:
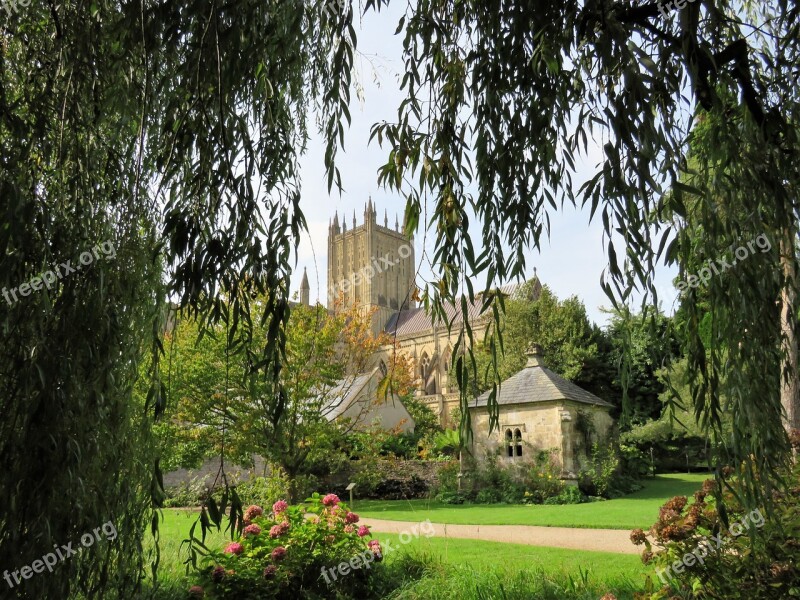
column 372, row 267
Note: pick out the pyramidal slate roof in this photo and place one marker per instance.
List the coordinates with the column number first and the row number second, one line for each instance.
column 416, row 320
column 536, row 383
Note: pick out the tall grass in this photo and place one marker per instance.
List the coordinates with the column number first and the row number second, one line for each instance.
column 429, row 578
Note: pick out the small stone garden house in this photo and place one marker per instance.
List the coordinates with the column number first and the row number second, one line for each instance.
column 540, row 410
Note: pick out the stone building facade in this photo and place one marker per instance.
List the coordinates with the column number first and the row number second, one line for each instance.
column 373, row 267
column 540, row 410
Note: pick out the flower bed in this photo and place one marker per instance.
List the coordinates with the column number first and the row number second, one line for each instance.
column 285, row 554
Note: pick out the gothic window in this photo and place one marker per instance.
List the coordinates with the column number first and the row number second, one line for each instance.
column 513, row 443
column 424, row 366
column 427, row 372
column 384, row 370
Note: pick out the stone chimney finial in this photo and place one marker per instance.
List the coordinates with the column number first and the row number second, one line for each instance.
column 534, row 354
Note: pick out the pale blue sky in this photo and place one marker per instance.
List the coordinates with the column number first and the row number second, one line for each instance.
column 571, row 262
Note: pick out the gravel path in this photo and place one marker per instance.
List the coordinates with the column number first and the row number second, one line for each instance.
column 602, row 540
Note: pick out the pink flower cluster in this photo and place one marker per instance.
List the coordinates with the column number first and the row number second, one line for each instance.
column 234, row 548
column 375, row 546
column 251, row 529
column 330, row 500
column 196, row 591
column 278, row 530
column 278, row 554
column 363, row 531
column 252, row 512
column 279, row 507
column 351, row 517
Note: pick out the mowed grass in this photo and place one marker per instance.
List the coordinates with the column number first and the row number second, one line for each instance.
column 488, row 560
column 481, row 555
column 639, row 509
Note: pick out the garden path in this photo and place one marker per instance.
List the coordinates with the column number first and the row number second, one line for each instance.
column 601, row 540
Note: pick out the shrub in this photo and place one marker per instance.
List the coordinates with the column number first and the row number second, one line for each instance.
column 489, row 496
column 283, row 554
column 570, row 495
column 447, row 478
column 727, row 561
column 540, row 478
column 188, row 493
column 451, row 497
column 264, row 491
column 596, row 476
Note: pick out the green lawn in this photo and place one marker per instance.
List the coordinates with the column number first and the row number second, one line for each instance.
column 491, row 559
column 639, row 509
column 483, row 555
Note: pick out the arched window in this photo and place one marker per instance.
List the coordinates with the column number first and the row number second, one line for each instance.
column 424, row 366
column 428, row 375
column 382, row 367
column 509, row 444
column 518, row 442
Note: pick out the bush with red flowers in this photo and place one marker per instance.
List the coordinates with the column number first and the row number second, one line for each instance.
column 282, row 554
column 752, row 558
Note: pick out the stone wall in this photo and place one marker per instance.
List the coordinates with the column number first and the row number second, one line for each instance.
column 398, row 478
column 208, row 472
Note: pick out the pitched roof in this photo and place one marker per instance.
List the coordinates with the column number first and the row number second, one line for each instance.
column 536, row 383
column 343, row 394
column 416, row 320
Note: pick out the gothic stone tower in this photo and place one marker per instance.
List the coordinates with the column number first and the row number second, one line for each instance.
column 371, row 266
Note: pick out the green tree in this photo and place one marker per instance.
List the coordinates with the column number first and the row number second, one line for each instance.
column 223, row 410
column 640, row 346
column 173, row 132
column 560, row 327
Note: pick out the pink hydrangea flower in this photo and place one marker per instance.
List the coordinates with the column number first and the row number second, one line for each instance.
column 351, row 517
column 349, row 528
column 330, row 500
column 251, row 529
column 218, row 574
column 252, row 512
column 279, row 553
column 234, row 548
column 375, row 546
column 279, row 507
column 269, row 571
column 278, row 530
column 363, row 530
column 197, row 591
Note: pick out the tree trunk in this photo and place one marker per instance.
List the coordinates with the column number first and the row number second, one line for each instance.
column 790, row 386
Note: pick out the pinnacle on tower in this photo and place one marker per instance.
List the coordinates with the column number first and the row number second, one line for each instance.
column 385, row 218
column 305, row 289
column 354, row 218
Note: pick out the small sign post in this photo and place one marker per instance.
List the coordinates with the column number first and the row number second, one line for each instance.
column 350, row 489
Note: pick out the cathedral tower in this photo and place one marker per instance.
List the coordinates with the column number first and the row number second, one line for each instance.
column 371, row 266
